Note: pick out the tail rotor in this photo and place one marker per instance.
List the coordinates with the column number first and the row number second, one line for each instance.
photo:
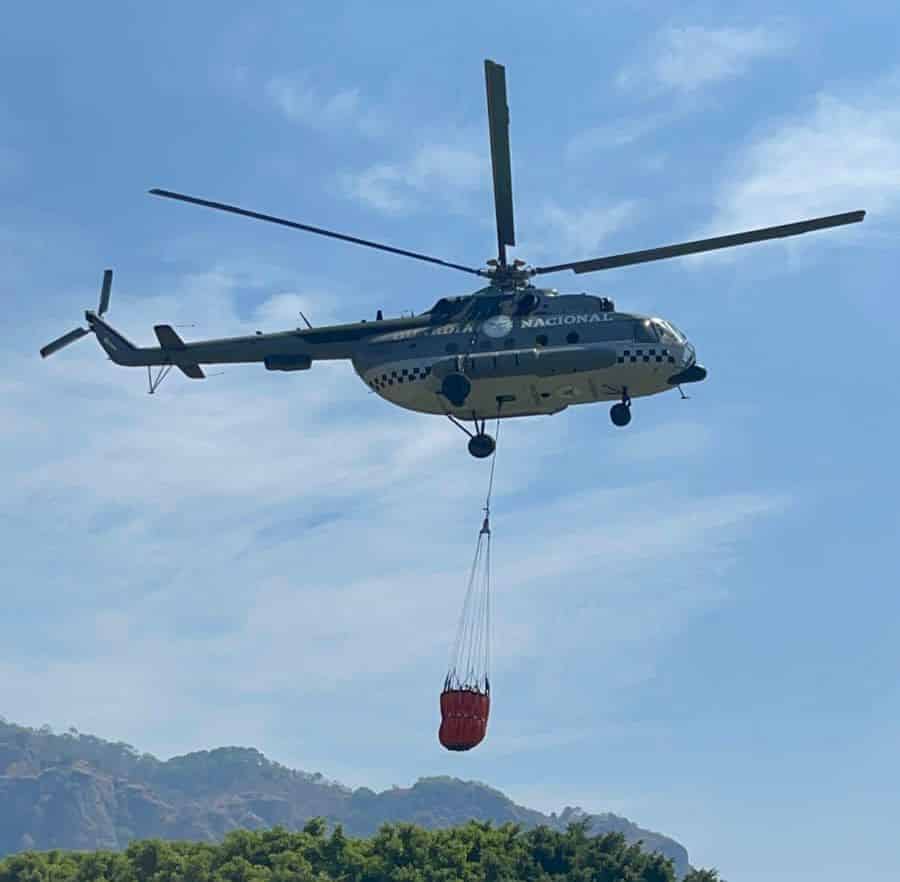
column 78, row 333
column 65, row 340
column 104, row 292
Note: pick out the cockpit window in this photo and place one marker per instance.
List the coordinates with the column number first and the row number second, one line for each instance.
column 645, row 332
column 666, row 333
column 682, row 337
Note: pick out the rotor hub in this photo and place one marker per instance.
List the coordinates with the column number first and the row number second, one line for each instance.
column 509, row 277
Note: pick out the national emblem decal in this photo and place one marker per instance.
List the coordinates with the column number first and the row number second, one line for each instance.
column 497, row 326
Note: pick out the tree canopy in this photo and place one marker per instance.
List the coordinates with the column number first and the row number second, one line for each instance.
column 474, row 852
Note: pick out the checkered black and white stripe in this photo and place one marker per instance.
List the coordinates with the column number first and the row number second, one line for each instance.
column 381, row 382
column 399, row 377
column 646, row 355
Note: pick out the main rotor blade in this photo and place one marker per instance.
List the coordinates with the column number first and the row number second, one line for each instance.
column 233, row 209
column 65, row 340
column 632, row 257
column 104, row 292
column 498, row 122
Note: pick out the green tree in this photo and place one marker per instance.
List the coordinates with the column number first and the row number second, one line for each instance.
column 473, row 852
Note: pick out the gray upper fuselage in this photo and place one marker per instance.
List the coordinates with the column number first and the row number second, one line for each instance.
column 486, row 322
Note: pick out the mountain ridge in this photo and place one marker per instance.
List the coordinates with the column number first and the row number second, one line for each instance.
column 78, row 791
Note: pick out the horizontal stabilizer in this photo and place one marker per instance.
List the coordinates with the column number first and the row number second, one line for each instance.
column 170, row 341
column 167, row 337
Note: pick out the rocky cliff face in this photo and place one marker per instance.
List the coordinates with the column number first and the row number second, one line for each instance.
column 79, row 792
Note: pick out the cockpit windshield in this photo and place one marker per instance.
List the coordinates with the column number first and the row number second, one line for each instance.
column 678, row 332
column 667, row 332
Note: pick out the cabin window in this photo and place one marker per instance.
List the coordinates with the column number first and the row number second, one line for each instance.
column 541, row 340
column 572, row 337
column 614, row 330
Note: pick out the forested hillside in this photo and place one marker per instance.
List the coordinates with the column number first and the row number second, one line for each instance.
column 76, row 791
column 475, row 852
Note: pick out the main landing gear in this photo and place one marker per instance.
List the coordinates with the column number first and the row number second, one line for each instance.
column 481, row 445
column 620, row 413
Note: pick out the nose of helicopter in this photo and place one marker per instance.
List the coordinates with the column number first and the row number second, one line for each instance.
column 690, row 372
column 694, row 374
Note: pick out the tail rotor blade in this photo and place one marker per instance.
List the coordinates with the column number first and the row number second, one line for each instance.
column 104, row 292
column 63, row 341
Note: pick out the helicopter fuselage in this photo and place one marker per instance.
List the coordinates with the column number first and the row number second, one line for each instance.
column 508, row 349
column 491, row 353
column 571, row 349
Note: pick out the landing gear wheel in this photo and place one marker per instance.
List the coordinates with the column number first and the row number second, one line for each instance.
column 620, row 414
column 481, row 445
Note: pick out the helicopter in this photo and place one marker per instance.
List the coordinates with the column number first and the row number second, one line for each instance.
column 509, row 349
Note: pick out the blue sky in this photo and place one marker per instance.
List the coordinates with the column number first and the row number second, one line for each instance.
column 695, row 618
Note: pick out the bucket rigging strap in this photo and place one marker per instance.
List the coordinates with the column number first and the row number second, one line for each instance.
column 472, row 650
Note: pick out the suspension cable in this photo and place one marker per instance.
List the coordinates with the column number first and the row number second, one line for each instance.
column 487, row 502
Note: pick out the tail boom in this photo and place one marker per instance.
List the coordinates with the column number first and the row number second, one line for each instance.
column 118, row 348
column 279, row 349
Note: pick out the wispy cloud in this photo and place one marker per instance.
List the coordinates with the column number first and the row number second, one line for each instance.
column 303, row 103
column 685, row 59
column 574, row 233
column 842, row 154
column 621, row 133
column 242, row 542
column 445, row 172
column 671, row 440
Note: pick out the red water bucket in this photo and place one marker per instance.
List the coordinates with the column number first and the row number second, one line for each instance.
column 464, row 717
